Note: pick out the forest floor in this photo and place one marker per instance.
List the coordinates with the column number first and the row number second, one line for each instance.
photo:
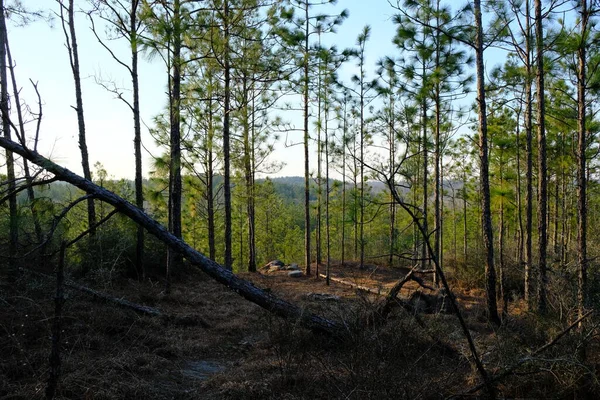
column 219, row 346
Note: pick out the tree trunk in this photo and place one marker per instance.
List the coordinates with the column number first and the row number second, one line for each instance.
column 520, row 243
column 501, row 233
column 226, row 141
column 437, row 187
column 248, row 177
column 581, row 164
column 486, row 212
column 542, row 178
column 425, row 178
column 137, row 139
column 464, row 211
column 318, row 231
column 307, row 255
column 173, row 259
column 392, row 156
column 529, row 173
column 362, row 156
column 210, row 197
column 16, row 93
column 10, row 162
column 344, row 138
column 74, row 58
column 327, row 224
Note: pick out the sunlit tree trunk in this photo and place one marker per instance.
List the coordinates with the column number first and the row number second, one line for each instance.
column 488, row 237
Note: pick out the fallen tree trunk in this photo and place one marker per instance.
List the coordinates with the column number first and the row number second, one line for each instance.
column 244, row 288
column 353, row 285
column 141, row 309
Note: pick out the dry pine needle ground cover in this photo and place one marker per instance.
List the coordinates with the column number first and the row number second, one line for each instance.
column 219, row 346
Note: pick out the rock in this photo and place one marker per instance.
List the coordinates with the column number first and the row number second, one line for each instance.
column 274, row 265
column 295, row 274
column 322, row 297
column 293, row 267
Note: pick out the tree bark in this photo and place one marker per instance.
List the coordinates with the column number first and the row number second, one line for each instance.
column 74, row 59
column 542, row 177
column 175, row 184
column 227, row 140
column 248, row 176
column 10, row 161
column 137, row 137
column 581, row 163
column 425, row 166
column 307, row 255
column 486, row 212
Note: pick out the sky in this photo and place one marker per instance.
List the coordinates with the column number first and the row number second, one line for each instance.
column 40, row 55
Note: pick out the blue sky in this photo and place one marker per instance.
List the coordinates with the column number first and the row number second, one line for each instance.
column 39, row 53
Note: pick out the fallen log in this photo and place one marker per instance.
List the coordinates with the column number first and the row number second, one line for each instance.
column 244, row 288
column 353, row 285
column 141, row 309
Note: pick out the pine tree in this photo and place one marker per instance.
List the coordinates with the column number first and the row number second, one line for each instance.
column 122, row 17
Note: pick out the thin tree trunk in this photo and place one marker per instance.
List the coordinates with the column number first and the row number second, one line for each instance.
column 464, row 210
column 486, row 212
column 210, row 197
column 521, row 236
column 529, row 173
column 10, row 162
column 362, row 162
column 542, row 178
column 71, row 39
column 392, row 156
column 248, row 176
column 555, row 217
column 28, row 178
column 425, row 179
column 173, row 259
column 437, row 242
column 137, row 140
column 226, row 141
column 344, row 138
column 438, row 204
column 582, row 261
column 318, row 230
column 454, row 226
column 327, row 224
column 307, row 255
column 501, row 233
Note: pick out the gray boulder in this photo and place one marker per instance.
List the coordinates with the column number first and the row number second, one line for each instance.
column 275, row 265
column 295, row 274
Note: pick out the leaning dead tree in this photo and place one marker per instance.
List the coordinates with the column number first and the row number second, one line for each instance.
column 418, row 219
column 244, row 288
